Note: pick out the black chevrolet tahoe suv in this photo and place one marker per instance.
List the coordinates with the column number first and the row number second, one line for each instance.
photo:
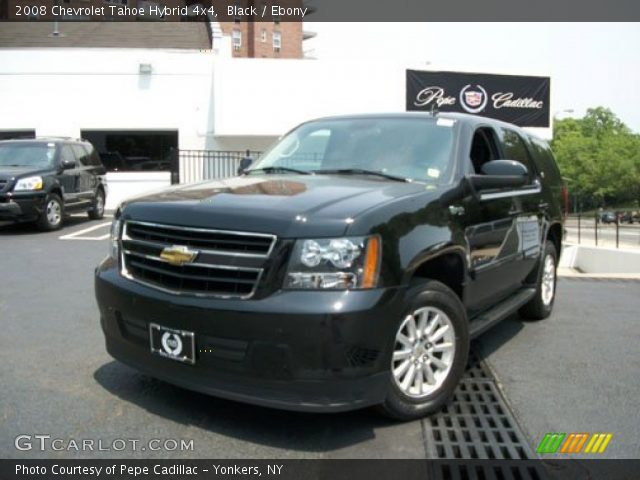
column 349, row 266
column 43, row 179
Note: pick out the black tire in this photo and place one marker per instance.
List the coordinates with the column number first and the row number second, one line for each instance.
column 97, row 212
column 537, row 308
column 430, row 293
column 52, row 216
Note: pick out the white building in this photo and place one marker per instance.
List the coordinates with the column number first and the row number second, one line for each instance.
column 199, row 99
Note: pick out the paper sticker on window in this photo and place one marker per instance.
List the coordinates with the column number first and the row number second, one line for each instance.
column 433, row 172
column 445, row 122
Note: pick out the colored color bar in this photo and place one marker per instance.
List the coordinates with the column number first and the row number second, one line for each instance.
column 557, row 442
column 581, row 442
column 568, row 443
column 594, row 437
column 543, row 444
column 606, row 441
column 550, row 443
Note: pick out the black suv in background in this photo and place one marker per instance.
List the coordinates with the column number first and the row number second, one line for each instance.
column 349, row 266
column 43, row 179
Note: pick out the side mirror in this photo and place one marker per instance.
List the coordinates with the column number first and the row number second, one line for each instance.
column 505, row 168
column 498, row 174
column 244, row 164
column 67, row 164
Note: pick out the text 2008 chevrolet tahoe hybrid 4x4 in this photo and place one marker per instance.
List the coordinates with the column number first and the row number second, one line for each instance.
column 349, row 266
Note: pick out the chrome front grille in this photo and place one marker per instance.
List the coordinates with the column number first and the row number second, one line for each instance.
column 226, row 264
column 219, row 241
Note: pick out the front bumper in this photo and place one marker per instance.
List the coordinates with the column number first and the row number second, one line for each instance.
column 306, row 351
column 22, row 207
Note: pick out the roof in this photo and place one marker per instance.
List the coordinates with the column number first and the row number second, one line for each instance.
column 465, row 118
column 187, row 35
column 45, row 140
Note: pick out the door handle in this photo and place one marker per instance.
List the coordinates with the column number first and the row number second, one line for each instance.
column 543, row 205
column 515, row 211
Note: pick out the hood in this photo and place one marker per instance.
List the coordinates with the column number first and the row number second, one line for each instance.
column 11, row 173
column 286, row 205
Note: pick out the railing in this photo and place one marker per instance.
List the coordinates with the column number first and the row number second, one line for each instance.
column 190, row 166
column 596, row 231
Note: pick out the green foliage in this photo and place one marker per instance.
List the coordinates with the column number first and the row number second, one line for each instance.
column 600, row 156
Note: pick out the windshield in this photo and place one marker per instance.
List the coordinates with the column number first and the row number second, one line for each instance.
column 27, row 155
column 415, row 148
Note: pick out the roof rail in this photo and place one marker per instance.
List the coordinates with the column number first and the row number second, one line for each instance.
column 59, row 137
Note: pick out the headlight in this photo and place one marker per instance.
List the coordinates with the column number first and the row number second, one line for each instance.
column 29, row 183
column 114, row 237
column 334, row 263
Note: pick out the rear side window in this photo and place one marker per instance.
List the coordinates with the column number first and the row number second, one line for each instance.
column 543, row 158
column 94, row 158
column 82, row 155
column 514, row 148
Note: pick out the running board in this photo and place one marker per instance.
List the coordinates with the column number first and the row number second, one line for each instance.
column 488, row 319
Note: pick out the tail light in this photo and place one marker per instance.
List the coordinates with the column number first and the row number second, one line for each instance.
column 565, row 200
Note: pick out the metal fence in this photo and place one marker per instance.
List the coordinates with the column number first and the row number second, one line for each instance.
column 591, row 230
column 189, row 166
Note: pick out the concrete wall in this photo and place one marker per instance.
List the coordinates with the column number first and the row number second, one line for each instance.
column 598, row 260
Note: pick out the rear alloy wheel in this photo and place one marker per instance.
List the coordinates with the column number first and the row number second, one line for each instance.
column 97, row 212
column 429, row 353
column 541, row 305
column 52, row 214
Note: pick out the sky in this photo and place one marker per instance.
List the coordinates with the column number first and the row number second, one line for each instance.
column 590, row 64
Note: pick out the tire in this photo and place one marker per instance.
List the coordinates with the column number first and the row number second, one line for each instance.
column 427, row 299
column 97, row 212
column 52, row 216
column 541, row 305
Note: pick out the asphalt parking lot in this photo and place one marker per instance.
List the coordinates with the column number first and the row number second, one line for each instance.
column 575, row 372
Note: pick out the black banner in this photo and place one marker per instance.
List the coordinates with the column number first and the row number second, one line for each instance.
column 523, row 101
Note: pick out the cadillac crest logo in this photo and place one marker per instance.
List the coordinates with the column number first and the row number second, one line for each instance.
column 171, row 343
column 473, row 100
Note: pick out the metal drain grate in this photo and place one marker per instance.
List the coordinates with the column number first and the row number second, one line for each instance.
column 478, row 424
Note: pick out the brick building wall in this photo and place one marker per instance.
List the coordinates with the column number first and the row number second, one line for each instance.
column 258, row 39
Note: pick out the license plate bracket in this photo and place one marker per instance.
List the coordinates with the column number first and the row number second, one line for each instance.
column 178, row 345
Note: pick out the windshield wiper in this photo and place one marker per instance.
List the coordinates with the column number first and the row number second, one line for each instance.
column 278, row 170
column 362, row 171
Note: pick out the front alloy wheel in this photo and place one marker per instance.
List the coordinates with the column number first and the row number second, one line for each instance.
column 423, row 353
column 429, row 352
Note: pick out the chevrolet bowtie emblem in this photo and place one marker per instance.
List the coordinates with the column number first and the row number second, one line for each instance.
column 178, row 255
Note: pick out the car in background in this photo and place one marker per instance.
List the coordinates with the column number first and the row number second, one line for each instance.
column 630, row 217
column 608, row 217
column 43, row 179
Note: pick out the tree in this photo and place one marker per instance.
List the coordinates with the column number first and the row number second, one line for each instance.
column 601, row 157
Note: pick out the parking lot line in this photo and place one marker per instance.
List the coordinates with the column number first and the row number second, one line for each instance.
column 79, row 234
